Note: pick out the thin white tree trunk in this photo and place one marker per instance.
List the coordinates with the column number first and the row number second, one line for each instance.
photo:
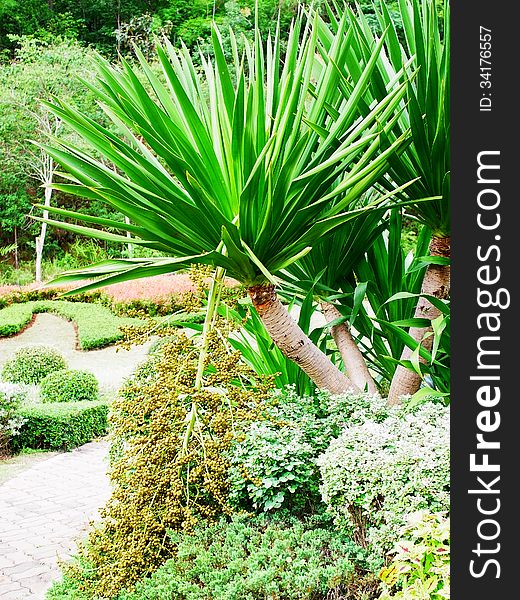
column 436, row 283
column 354, row 362
column 40, row 240
column 16, row 259
column 43, row 170
column 295, row 344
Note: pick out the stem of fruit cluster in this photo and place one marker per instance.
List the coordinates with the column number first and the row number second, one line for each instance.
column 209, row 321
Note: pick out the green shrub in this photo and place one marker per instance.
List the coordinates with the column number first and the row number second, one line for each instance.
column 163, row 477
column 420, row 566
column 69, row 385
column 11, row 398
column 61, row 426
column 31, row 364
column 376, row 473
column 274, row 463
column 274, row 467
column 249, row 560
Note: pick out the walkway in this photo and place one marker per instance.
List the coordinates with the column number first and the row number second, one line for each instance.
column 42, row 512
column 110, row 365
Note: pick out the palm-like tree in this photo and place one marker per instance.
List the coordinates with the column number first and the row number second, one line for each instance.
column 243, row 166
column 426, row 160
column 328, row 272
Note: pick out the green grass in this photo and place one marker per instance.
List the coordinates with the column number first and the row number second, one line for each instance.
column 97, row 326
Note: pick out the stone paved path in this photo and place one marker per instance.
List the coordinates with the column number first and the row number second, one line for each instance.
column 110, row 365
column 43, row 511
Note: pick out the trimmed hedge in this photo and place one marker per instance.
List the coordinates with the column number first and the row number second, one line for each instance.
column 14, row 318
column 97, row 325
column 61, row 426
column 31, row 364
column 69, row 385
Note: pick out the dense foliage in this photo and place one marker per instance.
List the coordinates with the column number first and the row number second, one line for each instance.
column 420, row 566
column 255, row 558
column 274, row 464
column 286, row 161
column 69, row 385
column 379, row 470
column 11, row 398
column 163, row 477
column 31, row 364
column 41, row 70
column 61, row 426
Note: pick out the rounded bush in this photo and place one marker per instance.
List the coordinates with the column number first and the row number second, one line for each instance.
column 69, row 385
column 31, row 364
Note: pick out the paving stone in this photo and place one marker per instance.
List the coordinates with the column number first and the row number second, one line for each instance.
column 21, row 594
column 44, row 510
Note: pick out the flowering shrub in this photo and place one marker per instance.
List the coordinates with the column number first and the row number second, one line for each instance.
column 421, row 563
column 11, row 398
column 31, row 364
column 159, row 295
column 69, row 385
column 377, row 472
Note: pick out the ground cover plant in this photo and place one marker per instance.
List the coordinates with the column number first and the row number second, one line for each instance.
column 249, row 558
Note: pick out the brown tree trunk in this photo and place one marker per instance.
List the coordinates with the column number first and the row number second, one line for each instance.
column 354, row 362
column 436, row 283
column 295, row 345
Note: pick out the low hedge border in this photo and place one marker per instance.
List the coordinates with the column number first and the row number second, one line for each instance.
column 97, row 326
column 61, row 426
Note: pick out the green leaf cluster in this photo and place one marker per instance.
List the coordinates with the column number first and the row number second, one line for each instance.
column 69, row 385
column 30, row 364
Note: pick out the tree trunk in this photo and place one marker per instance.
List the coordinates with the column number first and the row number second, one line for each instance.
column 436, row 283
column 40, row 240
column 295, row 345
column 354, row 362
column 16, row 259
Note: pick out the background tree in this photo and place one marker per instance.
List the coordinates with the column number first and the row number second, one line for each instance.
column 40, row 71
